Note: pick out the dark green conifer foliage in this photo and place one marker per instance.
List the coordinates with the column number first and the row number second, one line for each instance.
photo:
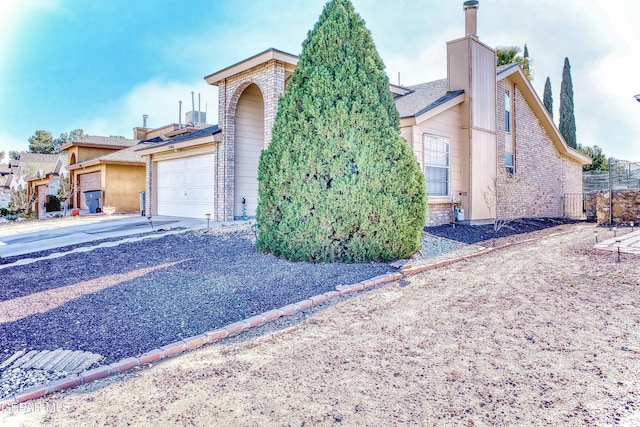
column 567, row 117
column 547, row 98
column 338, row 182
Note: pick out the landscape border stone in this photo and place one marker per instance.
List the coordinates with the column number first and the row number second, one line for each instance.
column 188, row 344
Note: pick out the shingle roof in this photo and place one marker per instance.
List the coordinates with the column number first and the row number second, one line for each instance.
column 502, row 68
column 39, row 158
column 424, row 97
column 101, row 141
column 209, row 130
column 31, row 163
column 126, row 155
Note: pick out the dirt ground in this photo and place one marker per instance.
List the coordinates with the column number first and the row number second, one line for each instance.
column 543, row 333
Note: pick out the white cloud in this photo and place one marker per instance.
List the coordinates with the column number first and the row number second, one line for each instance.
column 157, row 98
column 9, row 142
column 14, row 14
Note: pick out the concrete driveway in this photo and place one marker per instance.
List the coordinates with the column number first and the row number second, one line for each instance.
column 33, row 236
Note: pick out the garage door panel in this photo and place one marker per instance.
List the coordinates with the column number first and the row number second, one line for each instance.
column 88, row 182
column 186, row 187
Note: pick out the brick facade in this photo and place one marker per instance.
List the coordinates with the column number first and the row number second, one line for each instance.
column 440, row 214
column 270, row 79
column 542, row 174
column 148, row 195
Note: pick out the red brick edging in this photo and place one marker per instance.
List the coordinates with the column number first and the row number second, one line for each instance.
column 217, row 335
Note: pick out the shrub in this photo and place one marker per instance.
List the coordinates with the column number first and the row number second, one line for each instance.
column 52, row 204
column 338, row 182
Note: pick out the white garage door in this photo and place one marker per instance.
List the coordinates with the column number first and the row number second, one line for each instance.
column 186, row 187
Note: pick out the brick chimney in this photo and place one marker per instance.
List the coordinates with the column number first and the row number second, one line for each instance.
column 471, row 17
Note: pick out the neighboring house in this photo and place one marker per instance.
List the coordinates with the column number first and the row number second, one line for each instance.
column 45, row 182
column 110, row 165
column 5, row 190
column 31, row 163
column 17, row 184
column 28, row 168
column 481, row 129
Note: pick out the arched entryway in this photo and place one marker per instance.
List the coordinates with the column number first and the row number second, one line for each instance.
column 248, row 144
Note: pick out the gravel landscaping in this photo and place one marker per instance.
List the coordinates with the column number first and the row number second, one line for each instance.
column 540, row 333
column 209, row 281
column 482, row 234
column 124, row 301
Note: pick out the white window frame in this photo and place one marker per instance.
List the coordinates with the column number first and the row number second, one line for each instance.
column 510, row 168
column 507, row 111
column 437, row 155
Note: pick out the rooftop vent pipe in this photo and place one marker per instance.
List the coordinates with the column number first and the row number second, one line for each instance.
column 471, row 17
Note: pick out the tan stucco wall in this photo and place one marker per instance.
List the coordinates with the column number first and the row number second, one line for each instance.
column 122, row 187
column 445, row 124
column 120, row 184
column 86, row 153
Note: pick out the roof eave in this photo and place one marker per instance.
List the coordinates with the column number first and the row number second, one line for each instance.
column 91, row 145
column 260, row 58
column 168, row 146
column 530, row 95
column 427, row 114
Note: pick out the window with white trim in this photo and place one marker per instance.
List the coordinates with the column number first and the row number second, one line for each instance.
column 507, row 111
column 510, row 165
column 436, row 162
column 509, row 139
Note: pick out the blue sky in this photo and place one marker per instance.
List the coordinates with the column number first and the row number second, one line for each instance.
column 100, row 65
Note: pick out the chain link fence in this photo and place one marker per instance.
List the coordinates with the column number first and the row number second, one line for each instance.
column 611, row 196
column 622, row 175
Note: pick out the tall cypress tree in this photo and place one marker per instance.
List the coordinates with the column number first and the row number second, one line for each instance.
column 567, row 117
column 548, row 97
column 526, row 66
column 338, row 182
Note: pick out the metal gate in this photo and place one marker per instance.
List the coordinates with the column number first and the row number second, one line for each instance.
column 573, row 206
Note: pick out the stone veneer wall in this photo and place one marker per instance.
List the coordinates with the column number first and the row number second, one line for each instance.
column 542, row 174
column 625, row 203
column 270, row 78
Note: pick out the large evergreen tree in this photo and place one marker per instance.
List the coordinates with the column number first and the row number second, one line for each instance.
column 338, row 182
column 526, row 67
column 64, row 137
column 42, row 142
column 567, row 117
column 548, row 97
